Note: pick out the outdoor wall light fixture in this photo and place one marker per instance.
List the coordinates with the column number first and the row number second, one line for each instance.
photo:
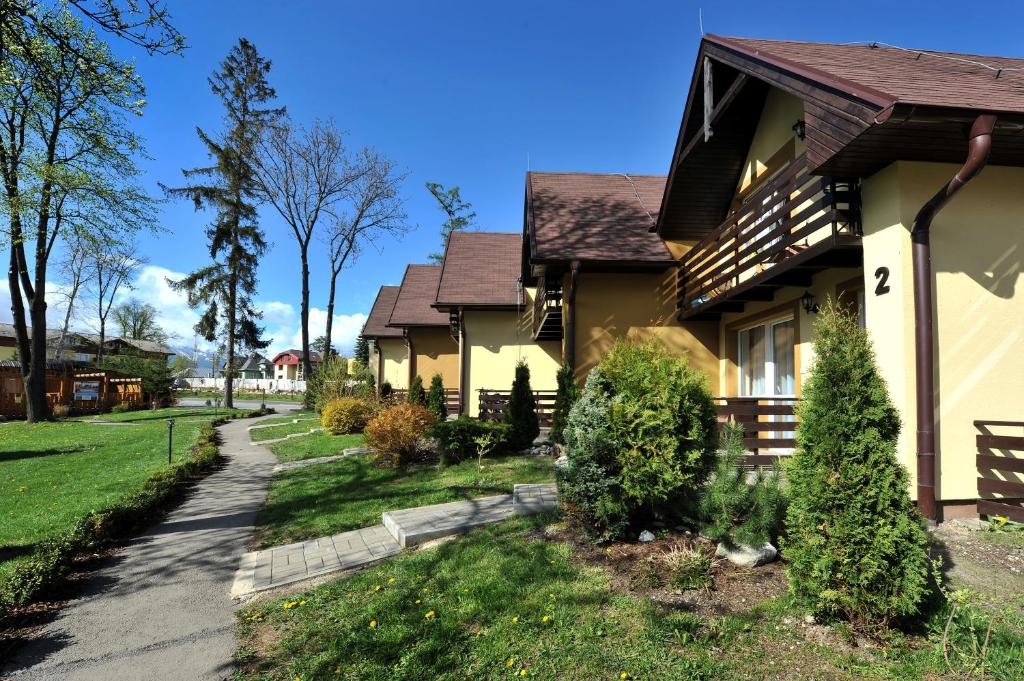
column 807, row 300
column 800, row 128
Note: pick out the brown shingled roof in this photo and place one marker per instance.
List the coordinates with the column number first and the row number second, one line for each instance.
column 481, row 269
column 418, row 292
column 594, row 217
column 376, row 324
column 926, row 77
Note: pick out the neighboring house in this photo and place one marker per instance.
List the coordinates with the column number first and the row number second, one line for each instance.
column 389, row 355
column 600, row 272
column 83, row 347
column 428, row 337
column 254, row 366
column 814, row 173
column 491, row 313
column 288, row 364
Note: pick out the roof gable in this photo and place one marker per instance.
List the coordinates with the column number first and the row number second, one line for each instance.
column 376, row 324
column 481, row 269
column 416, row 296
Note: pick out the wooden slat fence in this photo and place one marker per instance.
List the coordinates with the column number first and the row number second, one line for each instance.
column 494, row 402
column 451, row 398
column 1001, row 469
column 769, row 425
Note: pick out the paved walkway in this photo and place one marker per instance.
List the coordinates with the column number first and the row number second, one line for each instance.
column 161, row 609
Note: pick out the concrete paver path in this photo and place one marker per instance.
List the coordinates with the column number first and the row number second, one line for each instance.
column 161, row 609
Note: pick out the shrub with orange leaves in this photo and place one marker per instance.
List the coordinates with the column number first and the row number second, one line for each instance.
column 396, row 431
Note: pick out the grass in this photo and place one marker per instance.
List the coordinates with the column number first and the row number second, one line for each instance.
column 314, row 446
column 1011, row 534
column 283, row 429
column 325, row 499
column 53, row 473
column 474, row 608
column 239, row 395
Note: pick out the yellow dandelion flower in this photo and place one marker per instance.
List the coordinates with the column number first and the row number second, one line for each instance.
column 515, row 618
column 302, row 602
column 511, row 662
column 522, row 672
column 551, row 596
column 429, row 615
column 391, row 580
column 424, row 589
column 623, row 675
column 418, row 601
column 373, row 624
column 465, row 591
column 546, row 618
column 376, row 587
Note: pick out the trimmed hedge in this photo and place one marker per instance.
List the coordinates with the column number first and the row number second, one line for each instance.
column 45, row 569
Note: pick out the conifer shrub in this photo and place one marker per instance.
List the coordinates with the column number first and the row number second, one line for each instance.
column 568, row 393
column 395, row 433
column 386, row 391
column 855, row 543
column 416, row 394
column 738, row 509
column 344, row 415
column 521, row 412
column 457, row 439
column 640, row 441
column 435, row 398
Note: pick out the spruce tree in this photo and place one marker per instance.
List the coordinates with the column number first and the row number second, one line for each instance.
column 855, row 543
column 362, row 350
column 521, row 412
column 435, row 398
column 568, row 393
column 416, row 394
column 229, row 186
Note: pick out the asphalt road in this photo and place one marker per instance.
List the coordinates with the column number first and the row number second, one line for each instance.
column 160, row 609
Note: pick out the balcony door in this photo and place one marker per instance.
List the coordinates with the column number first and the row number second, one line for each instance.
column 766, row 359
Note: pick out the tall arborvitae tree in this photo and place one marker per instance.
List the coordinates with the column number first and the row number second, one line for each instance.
column 362, row 350
column 416, row 394
column 854, row 541
column 435, row 398
column 460, row 213
column 568, row 393
column 521, row 413
column 229, row 186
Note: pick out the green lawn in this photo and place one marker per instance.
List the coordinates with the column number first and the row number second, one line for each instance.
column 314, row 446
column 303, row 426
column 475, row 608
column 290, row 416
column 239, row 395
column 51, row 474
column 325, row 499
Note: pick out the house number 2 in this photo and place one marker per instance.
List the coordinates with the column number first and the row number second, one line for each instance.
column 882, row 275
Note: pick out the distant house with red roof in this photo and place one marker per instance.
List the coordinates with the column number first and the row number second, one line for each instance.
column 288, row 364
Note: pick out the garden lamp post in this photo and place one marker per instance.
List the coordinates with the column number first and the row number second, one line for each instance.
column 170, row 439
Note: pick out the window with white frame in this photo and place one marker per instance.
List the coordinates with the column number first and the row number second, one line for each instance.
column 766, row 359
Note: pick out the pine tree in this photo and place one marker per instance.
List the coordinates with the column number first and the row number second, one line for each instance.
column 568, row 393
column 362, row 350
column 225, row 288
column 856, row 545
column 416, row 394
column 435, row 398
column 459, row 212
column 521, row 412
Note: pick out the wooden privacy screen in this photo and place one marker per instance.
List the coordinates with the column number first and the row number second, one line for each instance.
column 1001, row 469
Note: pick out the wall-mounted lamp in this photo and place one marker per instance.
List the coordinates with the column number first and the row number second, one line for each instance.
column 800, row 128
column 807, row 300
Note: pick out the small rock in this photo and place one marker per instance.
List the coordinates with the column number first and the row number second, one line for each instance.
column 562, row 462
column 748, row 556
column 646, row 536
column 809, row 619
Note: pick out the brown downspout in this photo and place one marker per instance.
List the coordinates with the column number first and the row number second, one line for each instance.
column 979, row 146
column 570, row 317
column 463, row 361
column 410, row 348
column 380, row 363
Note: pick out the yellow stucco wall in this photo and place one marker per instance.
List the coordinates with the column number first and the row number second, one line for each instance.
column 774, row 129
column 495, row 342
column 637, row 306
column 977, row 251
column 395, row 356
column 436, row 352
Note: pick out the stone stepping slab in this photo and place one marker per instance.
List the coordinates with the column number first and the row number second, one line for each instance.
column 286, row 437
column 302, row 463
column 281, row 423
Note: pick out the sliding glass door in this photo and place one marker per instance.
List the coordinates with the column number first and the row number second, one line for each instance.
column 766, row 359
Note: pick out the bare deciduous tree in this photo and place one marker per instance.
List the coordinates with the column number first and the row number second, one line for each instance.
column 374, row 208
column 304, row 173
column 112, row 270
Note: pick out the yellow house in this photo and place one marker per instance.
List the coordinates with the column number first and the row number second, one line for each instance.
column 804, row 171
column 491, row 312
column 431, row 349
column 389, row 356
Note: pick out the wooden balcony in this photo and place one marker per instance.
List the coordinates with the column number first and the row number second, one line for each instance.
column 782, row 234
column 769, row 425
column 1001, row 469
column 547, row 310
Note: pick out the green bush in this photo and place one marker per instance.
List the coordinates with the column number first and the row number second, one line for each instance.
column 415, row 394
column 155, row 373
column 344, row 415
column 46, row 568
column 330, row 381
column 855, row 544
column 640, row 441
column 386, row 390
column 457, row 439
column 568, row 393
column 521, row 412
column 736, row 510
column 435, row 398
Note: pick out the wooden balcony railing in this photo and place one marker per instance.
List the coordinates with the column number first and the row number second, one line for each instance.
column 547, row 310
column 494, row 402
column 769, row 425
column 1001, row 469
column 792, row 217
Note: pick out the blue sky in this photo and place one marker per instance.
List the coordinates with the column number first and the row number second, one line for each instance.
column 464, row 93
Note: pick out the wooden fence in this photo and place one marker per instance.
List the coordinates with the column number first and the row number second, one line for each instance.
column 769, row 425
column 494, row 402
column 1001, row 469
column 451, row 398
